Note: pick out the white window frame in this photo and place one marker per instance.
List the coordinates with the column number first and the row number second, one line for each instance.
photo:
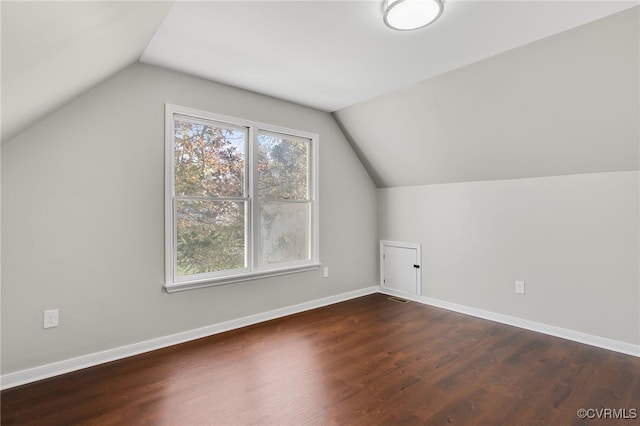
column 253, row 270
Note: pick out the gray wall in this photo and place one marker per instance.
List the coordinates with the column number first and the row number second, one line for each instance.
column 572, row 239
column 82, row 221
column 546, row 138
column 82, row 198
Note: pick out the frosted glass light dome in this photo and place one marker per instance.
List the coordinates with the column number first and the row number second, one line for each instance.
column 407, row 15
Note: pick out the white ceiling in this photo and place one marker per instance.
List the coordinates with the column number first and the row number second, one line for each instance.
column 53, row 51
column 333, row 54
column 567, row 104
column 324, row 54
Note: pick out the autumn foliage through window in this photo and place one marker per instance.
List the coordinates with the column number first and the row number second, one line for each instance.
column 242, row 199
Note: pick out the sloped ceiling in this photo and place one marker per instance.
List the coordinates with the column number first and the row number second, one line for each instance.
column 386, row 88
column 333, row 54
column 53, row 51
column 567, row 104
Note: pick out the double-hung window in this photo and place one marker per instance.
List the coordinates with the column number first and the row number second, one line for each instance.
column 240, row 199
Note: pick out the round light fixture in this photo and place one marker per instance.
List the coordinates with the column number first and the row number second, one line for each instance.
column 405, row 15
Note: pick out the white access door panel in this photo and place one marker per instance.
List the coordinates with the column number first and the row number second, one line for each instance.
column 400, row 267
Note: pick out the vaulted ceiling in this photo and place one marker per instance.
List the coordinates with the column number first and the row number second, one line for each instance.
column 387, row 89
column 54, row 51
column 333, row 54
column 567, row 104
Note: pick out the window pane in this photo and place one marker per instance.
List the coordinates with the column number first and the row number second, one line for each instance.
column 285, row 232
column 209, row 160
column 210, row 236
column 282, row 167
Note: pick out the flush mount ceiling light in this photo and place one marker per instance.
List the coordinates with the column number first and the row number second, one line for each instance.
column 405, row 15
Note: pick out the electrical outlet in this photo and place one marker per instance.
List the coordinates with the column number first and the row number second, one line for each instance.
column 51, row 318
column 520, row 287
column 325, row 272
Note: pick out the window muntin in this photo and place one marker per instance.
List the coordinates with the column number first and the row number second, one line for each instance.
column 241, row 199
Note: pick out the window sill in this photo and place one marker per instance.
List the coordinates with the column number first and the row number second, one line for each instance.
column 210, row 282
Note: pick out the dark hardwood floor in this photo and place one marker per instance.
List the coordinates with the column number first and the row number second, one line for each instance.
column 368, row 361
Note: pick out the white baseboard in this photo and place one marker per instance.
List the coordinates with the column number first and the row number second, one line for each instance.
column 54, row 369
column 576, row 336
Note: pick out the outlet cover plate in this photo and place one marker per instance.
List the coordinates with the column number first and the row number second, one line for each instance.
column 520, row 287
column 50, row 318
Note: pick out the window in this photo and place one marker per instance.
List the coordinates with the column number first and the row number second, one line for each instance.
column 241, row 200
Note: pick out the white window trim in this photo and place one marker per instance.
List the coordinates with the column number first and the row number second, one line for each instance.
column 253, row 271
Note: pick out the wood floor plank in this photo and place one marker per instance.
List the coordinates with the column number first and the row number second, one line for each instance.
column 367, row 361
